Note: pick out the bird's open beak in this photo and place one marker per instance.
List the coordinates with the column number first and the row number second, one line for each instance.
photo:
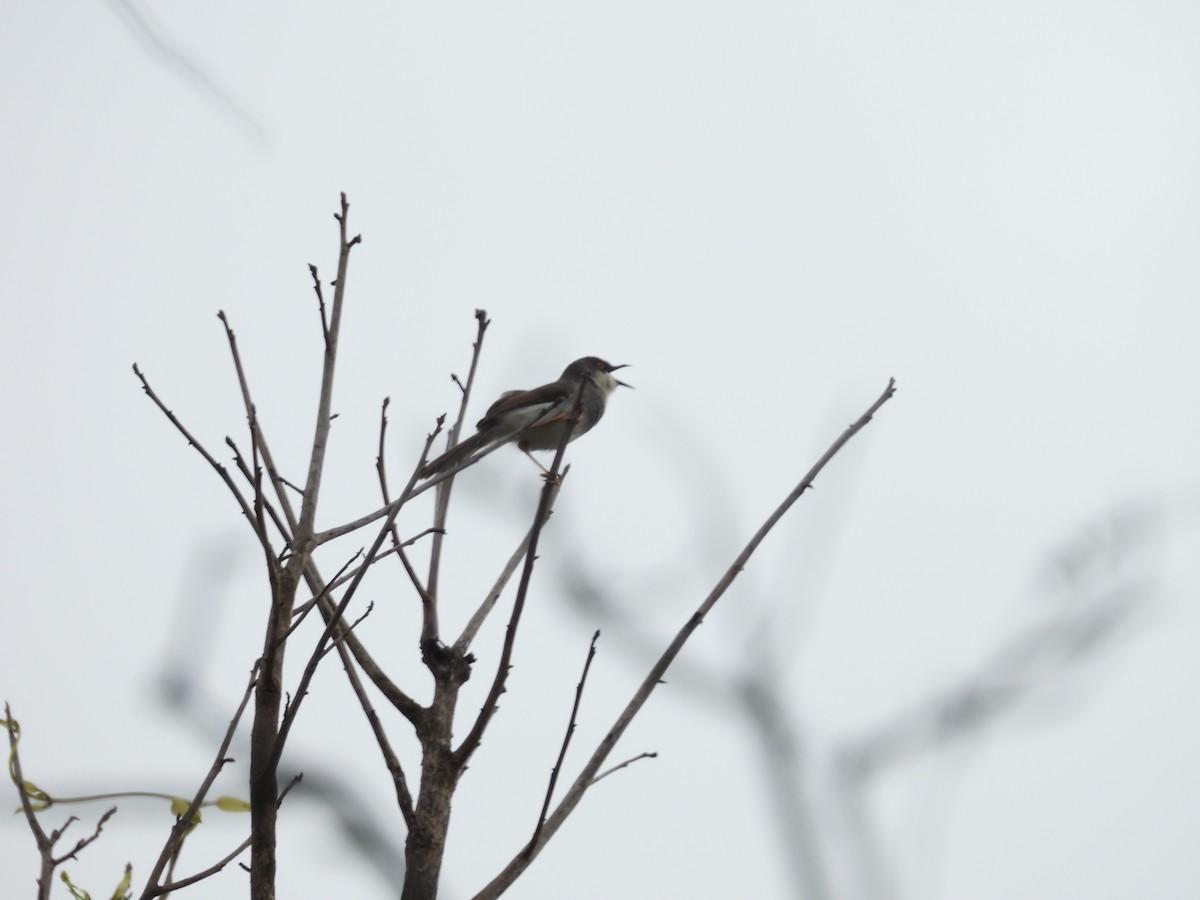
column 619, row 381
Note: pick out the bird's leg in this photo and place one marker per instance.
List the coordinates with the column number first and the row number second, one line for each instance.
column 524, row 448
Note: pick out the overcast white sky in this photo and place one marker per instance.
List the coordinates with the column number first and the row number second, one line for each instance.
column 767, row 209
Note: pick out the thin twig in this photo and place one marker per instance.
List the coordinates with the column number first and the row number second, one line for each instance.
column 210, row 871
column 562, row 752
column 428, row 606
column 346, row 631
column 256, row 442
column 324, row 537
column 247, row 510
column 628, row 762
column 352, row 651
column 259, row 497
column 320, row 302
column 83, row 842
column 441, row 509
column 302, row 613
column 184, row 823
column 295, row 487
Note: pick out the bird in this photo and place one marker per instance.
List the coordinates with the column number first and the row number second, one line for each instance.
column 535, row 419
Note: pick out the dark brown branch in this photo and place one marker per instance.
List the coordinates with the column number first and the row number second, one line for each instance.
column 82, row 842
column 210, row 871
column 549, row 491
column 347, row 630
column 302, row 613
column 295, row 487
column 404, row 798
column 587, row 776
column 184, row 823
column 405, row 704
column 260, row 500
column 320, row 301
column 562, row 752
column 409, row 707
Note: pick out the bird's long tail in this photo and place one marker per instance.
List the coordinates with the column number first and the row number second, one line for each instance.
column 456, row 454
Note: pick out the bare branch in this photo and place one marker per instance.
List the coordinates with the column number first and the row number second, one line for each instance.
column 310, row 669
column 404, row 798
column 562, row 753
column 549, row 492
column 442, row 503
column 485, row 608
column 83, row 842
column 247, row 510
column 352, row 651
column 622, row 765
column 428, row 605
column 209, row 872
column 302, row 613
column 184, row 822
column 320, row 302
column 587, row 776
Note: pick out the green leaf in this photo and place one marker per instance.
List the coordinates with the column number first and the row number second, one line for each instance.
column 76, row 892
column 122, row 891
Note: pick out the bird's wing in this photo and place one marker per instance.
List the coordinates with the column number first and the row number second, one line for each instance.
column 536, row 402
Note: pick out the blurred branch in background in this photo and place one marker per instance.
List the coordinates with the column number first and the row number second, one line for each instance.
column 153, row 37
column 824, row 804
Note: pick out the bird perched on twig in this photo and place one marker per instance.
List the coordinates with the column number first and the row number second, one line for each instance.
column 535, row 419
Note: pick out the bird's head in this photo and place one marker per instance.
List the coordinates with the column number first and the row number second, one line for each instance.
column 597, row 370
